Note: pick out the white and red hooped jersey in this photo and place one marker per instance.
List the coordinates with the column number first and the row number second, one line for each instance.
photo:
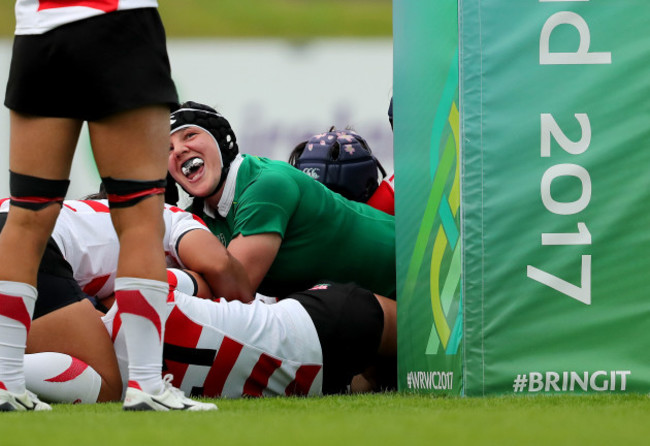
column 40, row 16
column 85, row 235
column 231, row 349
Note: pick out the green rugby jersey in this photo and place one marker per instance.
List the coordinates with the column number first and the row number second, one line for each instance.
column 324, row 236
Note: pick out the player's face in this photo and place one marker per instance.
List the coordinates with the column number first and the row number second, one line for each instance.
column 194, row 161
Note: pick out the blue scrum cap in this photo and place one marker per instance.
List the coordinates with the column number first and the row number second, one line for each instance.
column 342, row 161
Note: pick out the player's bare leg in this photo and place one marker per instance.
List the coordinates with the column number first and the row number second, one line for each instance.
column 131, row 150
column 41, row 154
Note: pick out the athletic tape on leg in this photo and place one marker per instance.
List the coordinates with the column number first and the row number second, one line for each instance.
column 36, row 193
column 126, row 193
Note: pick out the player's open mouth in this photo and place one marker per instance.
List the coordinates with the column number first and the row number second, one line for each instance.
column 191, row 167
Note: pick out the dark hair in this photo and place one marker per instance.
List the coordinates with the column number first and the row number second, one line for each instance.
column 342, row 161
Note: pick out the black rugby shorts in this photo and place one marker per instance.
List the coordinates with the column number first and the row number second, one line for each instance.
column 349, row 321
column 92, row 68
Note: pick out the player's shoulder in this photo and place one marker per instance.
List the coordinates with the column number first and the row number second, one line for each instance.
column 175, row 215
column 268, row 176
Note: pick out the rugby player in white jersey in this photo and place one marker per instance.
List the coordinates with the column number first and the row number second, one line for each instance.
column 326, row 340
column 313, row 343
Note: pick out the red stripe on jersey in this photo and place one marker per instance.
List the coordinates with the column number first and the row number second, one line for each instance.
column 177, row 369
column 181, row 330
column 221, row 367
column 93, row 287
column 76, row 368
column 115, row 198
column 195, row 217
column 97, row 206
column 3, row 200
column 14, row 308
column 102, row 5
column 259, row 377
column 2, row 386
column 172, row 280
column 383, row 198
column 133, row 302
column 305, row 377
column 199, row 219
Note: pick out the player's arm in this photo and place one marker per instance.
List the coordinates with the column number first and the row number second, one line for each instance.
column 256, row 253
column 262, row 218
column 203, row 253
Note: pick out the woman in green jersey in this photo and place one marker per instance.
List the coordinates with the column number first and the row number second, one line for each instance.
column 286, row 229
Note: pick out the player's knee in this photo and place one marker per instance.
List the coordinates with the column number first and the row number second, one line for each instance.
column 111, row 389
column 128, row 193
column 35, row 193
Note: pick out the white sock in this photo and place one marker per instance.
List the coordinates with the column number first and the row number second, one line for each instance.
column 60, row 378
column 142, row 305
column 17, row 302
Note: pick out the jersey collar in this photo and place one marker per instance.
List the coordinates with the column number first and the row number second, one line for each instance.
column 225, row 202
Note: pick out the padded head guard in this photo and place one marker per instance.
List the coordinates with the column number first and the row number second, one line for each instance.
column 342, row 161
column 199, row 115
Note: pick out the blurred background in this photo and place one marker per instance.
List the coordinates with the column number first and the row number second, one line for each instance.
column 279, row 71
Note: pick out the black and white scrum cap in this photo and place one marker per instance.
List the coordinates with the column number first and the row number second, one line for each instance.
column 194, row 114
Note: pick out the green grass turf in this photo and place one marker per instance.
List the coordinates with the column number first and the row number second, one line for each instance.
column 389, row 419
column 296, row 19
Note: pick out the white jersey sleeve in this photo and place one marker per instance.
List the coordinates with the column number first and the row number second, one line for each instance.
column 178, row 223
column 231, row 349
column 40, row 16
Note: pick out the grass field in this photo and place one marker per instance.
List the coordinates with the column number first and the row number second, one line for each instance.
column 296, row 19
column 389, row 419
